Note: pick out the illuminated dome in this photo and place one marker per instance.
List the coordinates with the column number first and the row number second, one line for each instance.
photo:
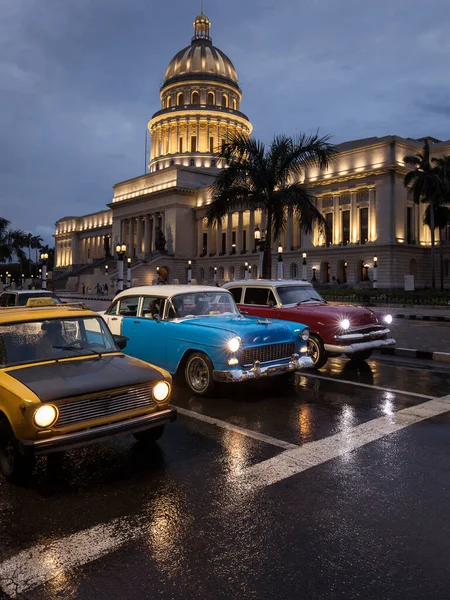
column 201, row 59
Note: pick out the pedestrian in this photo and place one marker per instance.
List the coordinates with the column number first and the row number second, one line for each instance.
column 106, row 288
column 83, row 289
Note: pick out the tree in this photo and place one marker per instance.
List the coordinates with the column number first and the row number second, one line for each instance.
column 263, row 178
column 160, row 242
column 441, row 221
column 11, row 242
column 36, row 244
column 428, row 186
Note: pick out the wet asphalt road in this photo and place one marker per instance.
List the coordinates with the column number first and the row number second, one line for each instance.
column 228, row 508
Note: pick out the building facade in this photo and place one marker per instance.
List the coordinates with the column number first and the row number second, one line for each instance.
column 161, row 216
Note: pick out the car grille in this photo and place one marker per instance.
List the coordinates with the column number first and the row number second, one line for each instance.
column 367, row 329
column 267, row 353
column 105, row 404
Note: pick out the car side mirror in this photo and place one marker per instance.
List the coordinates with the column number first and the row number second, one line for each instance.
column 121, row 341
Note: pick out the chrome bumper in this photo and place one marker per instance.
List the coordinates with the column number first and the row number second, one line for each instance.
column 361, row 337
column 359, row 346
column 257, row 371
column 85, row 437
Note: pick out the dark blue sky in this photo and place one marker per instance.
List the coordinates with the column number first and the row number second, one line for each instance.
column 79, row 80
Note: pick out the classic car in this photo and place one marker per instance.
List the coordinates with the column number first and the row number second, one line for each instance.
column 64, row 382
column 21, row 297
column 335, row 330
column 198, row 332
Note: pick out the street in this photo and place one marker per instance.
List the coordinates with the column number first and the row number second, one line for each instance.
column 333, row 485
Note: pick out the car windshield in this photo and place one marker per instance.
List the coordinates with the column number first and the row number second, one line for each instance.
column 23, row 298
column 298, row 294
column 202, row 304
column 51, row 339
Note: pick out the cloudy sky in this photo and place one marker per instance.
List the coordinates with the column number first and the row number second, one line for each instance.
column 79, row 81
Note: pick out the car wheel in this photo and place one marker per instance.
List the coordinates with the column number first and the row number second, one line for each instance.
column 316, row 351
column 360, row 356
column 15, row 466
column 149, row 435
column 199, row 374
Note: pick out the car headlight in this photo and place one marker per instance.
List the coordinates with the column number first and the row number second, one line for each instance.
column 304, row 335
column 161, row 391
column 234, row 344
column 388, row 319
column 46, row 415
column 345, row 324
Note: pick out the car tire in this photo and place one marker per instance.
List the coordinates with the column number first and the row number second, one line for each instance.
column 360, row 356
column 316, row 351
column 14, row 466
column 198, row 373
column 148, row 436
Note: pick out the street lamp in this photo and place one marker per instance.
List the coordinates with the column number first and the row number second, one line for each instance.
column 280, row 261
column 44, row 259
column 106, row 270
column 366, row 275
column 375, row 267
column 233, row 248
column 128, row 272
column 304, row 266
column 215, row 275
column 259, row 243
column 120, row 250
column 246, row 271
column 249, row 271
column 314, row 274
column 189, row 272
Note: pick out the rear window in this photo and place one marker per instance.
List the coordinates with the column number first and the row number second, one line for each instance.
column 23, row 298
column 128, row 306
column 236, row 293
column 8, row 300
column 259, row 295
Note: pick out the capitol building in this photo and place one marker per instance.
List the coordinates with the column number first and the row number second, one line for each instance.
column 160, row 216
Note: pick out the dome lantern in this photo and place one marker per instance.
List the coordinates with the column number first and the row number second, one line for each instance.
column 202, row 26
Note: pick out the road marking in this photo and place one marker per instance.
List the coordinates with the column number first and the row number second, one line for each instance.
column 40, row 564
column 366, row 385
column 247, row 432
column 312, row 454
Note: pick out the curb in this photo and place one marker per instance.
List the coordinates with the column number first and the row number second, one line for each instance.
column 86, row 298
column 419, row 354
column 420, row 317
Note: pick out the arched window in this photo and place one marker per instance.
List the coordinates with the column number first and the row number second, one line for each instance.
column 254, row 271
column 342, row 269
column 234, row 104
column 242, row 272
column 221, row 273
column 211, row 98
column 192, row 162
column 211, row 273
column 293, row 270
column 172, row 163
column 325, row 272
column 169, row 101
column 202, row 273
column 213, row 163
column 195, row 98
column 180, row 99
column 224, row 101
column 231, row 273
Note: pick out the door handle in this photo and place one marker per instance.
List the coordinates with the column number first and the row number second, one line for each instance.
column 137, row 321
column 114, row 319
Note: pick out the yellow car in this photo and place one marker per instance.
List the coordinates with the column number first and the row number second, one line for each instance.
column 65, row 383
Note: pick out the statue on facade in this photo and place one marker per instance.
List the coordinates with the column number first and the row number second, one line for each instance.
column 160, row 242
column 107, row 246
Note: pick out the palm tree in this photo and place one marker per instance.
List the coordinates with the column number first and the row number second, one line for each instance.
column 426, row 185
column 263, row 178
column 11, row 242
column 36, row 244
column 441, row 221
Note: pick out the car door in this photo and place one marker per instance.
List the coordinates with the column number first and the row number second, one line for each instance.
column 259, row 301
column 126, row 308
column 147, row 332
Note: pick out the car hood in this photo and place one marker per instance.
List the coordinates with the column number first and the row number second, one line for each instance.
column 251, row 330
column 357, row 315
column 63, row 379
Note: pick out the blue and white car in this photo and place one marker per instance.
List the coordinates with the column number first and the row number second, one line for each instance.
column 198, row 331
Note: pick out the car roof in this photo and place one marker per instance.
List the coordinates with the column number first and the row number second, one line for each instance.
column 267, row 282
column 28, row 292
column 166, row 291
column 23, row 314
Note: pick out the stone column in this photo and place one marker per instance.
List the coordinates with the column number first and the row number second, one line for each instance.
column 240, row 236
column 197, row 149
column 251, row 233
column 336, row 222
column 209, row 241
column 372, row 216
column 130, row 246
column 122, row 231
column 199, row 237
column 139, row 236
column 153, row 232
column 146, row 234
column 208, row 134
column 229, row 231
column 354, row 218
column 219, row 238
column 289, row 230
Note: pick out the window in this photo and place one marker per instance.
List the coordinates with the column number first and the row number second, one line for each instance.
column 211, row 145
column 345, row 227
column 213, row 163
column 180, row 100
column 211, row 98
column 204, row 243
column 169, row 102
column 192, row 162
column 112, row 310
column 294, row 270
column 193, row 143
column 181, row 144
column 363, row 225
column 329, row 228
column 202, row 273
column 195, row 98
column 409, row 225
column 22, row 299
column 221, row 273
column 8, row 300
column 259, row 296
column 128, row 306
column 224, row 101
column 234, row 104
column 237, row 294
column 244, row 240
column 172, row 163
column 151, row 306
column 224, row 242
column 231, row 273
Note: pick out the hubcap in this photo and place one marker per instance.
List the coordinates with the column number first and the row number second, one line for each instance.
column 198, row 374
column 313, row 350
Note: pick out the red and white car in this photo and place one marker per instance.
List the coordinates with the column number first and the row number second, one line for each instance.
column 350, row 330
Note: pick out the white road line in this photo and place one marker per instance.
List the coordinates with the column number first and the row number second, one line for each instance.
column 247, row 432
column 365, row 385
column 38, row 565
column 310, row 455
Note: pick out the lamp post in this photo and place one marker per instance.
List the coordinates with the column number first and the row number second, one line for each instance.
column 246, row 271
column 215, row 275
column 120, row 249
column 249, row 271
column 189, row 272
column 128, row 272
column 280, row 261
column 314, row 274
column 375, row 267
column 106, row 270
column 304, row 266
column 233, row 248
column 259, row 243
column 366, row 274
column 44, row 258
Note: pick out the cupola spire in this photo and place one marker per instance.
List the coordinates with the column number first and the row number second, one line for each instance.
column 202, row 26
